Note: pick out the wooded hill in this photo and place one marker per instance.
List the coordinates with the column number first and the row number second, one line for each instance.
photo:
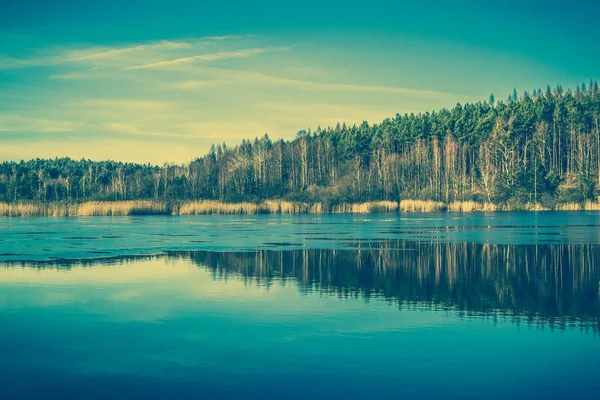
column 541, row 148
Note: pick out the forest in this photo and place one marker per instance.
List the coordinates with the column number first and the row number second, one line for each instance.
column 539, row 150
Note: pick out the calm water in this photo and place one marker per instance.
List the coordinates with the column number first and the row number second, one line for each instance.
column 421, row 306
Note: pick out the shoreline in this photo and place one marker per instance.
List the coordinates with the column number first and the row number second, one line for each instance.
column 213, row 207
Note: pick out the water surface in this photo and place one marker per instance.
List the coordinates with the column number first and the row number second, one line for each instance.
column 473, row 306
column 93, row 237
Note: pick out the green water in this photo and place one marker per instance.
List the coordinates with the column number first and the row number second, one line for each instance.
column 421, row 306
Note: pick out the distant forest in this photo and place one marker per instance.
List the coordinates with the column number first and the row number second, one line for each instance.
column 541, row 148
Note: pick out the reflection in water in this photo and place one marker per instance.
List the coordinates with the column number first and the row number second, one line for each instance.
column 558, row 285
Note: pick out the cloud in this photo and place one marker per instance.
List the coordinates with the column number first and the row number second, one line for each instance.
column 312, row 114
column 72, row 76
column 130, row 129
column 141, row 105
column 196, row 84
column 203, row 57
column 249, row 78
column 137, row 130
column 14, row 63
column 220, row 130
column 57, row 55
column 182, row 98
column 17, row 123
column 108, row 52
column 303, row 84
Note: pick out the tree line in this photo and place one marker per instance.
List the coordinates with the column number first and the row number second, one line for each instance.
column 540, row 148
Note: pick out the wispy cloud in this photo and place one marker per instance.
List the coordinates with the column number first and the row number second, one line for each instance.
column 142, row 105
column 72, row 76
column 147, row 51
column 17, row 123
column 130, row 129
column 182, row 98
column 189, row 131
column 108, row 52
column 203, row 57
column 196, row 84
column 250, row 78
column 221, row 130
column 137, row 130
column 326, row 113
column 304, row 84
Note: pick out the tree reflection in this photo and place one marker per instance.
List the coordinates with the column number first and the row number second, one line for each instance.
column 547, row 285
column 556, row 285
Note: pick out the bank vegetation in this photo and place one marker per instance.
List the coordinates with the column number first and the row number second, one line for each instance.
column 209, row 207
column 537, row 151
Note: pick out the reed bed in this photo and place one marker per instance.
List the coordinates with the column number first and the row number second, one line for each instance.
column 204, row 207
column 216, row 207
column 591, row 206
column 421, row 206
column 474, row 206
column 317, row 208
column 569, row 207
column 87, row 209
column 365, row 208
column 465, row 206
column 535, row 207
column 587, row 206
column 119, row 208
column 285, row 207
column 20, row 210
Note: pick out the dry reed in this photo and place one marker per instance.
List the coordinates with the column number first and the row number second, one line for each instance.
column 421, row 206
column 92, row 208
column 474, row 206
column 465, row 206
column 216, row 207
column 569, row 207
column 587, row 206
column 284, row 207
column 364, row 208
column 120, row 208
column 203, row 207
column 592, row 206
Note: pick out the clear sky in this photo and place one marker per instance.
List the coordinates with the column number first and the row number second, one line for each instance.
column 157, row 81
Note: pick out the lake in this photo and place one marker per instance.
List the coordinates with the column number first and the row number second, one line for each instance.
column 465, row 306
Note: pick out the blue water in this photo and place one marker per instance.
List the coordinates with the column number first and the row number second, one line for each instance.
column 93, row 237
column 421, row 306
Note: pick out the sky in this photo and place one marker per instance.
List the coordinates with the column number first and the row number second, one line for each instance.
column 157, row 81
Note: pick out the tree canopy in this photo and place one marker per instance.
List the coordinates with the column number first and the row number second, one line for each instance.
column 541, row 147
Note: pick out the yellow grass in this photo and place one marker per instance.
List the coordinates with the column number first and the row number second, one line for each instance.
column 267, row 207
column 93, row 208
column 19, row 210
column 591, row 206
column 364, row 208
column 587, row 206
column 216, row 207
column 284, row 207
column 316, row 208
column 491, row 207
column 465, row 206
column 203, row 207
column 421, row 206
column 107, row 208
column 569, row 207
column 535, row 207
